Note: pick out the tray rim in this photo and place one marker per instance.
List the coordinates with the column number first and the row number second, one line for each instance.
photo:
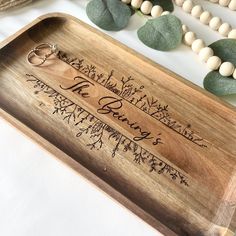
column 66, row 159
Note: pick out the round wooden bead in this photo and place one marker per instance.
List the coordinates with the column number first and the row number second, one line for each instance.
column 165, row 13
column 205, row 17
column 232, row 5
column 232, row 34
column 188, row 6
column 205, row 54
column 189, row 38
column 126, row 1
column 224, row 29
column 146, row 7
column 197, row 45
column 234, row 74
column 197, row 11
column 156, row 11
column 136, row 3
column 224, row 3
column 226, row 69
column 179, row 2
column 185, row 29
column 215, row 23
column 213, row 63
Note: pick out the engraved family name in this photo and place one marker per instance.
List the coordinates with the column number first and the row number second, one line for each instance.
column 113, row 106
column 127, row 89
column 81, row 87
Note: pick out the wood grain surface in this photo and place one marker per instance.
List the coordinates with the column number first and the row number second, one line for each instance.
column 158, row 144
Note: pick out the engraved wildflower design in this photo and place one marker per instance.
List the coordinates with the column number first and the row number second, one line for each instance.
column 98, row 132
column 127, row 89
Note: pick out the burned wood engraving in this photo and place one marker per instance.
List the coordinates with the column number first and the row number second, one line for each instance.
column 86, row 124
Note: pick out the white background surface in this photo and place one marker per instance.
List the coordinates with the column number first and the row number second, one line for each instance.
column 39, row 195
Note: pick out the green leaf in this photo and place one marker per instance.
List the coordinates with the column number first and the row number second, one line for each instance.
column 163, row 33
column 214, row 82
column 167, row 5
column 132, row 10
column 112, row 15
column 225, row 49
column 219, row 85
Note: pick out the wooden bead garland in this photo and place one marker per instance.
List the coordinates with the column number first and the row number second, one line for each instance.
column 206, row 54
column 231, row 4
column 227, row 69
column 213, row 63
column 234, row 74
column 146, row 7
column 215, row 23
column 224, row 3
column 185, row 29
column 126, row 1
column 197, row 45
column 206, row 17
column 232, row 34
column 156, row 11
column 136, row 3
column 197, row 11
column 187, row 6
column 189, row 38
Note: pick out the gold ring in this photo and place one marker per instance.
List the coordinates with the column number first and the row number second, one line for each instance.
column 37, row 52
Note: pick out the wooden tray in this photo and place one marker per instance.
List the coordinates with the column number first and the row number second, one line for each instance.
column 158, row 144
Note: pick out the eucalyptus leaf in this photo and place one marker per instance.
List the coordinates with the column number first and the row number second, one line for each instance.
column 219, row 85
column 214, row 82
column 163, row 33
column 112, row 15
column 132, row 10
column 167, row 5
column 225, row 49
